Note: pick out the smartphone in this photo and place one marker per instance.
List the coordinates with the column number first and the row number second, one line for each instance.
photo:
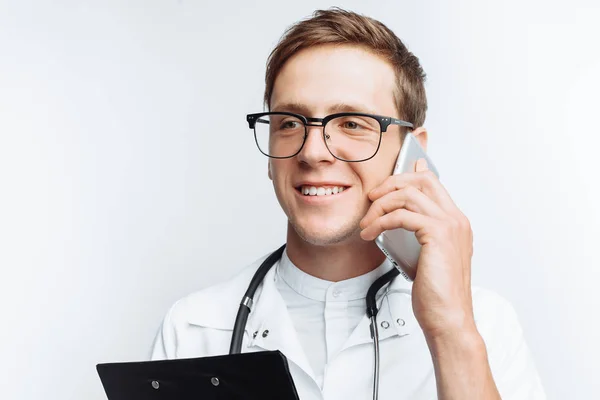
column 399, row 245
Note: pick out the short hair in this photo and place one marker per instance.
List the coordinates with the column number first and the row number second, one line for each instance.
column 338, row 26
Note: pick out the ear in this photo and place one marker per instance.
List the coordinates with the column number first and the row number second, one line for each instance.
column 421, row 135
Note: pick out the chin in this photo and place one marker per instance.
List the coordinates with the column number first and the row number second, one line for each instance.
column 325, row 236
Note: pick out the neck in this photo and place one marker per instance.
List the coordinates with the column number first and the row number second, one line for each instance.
column 337, row 262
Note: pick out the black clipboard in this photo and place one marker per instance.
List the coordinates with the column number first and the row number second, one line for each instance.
column 263, row 375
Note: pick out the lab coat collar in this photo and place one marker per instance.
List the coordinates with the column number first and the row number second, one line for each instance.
column 269, row 324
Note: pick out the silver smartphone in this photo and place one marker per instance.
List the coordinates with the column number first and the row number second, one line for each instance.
column 399, row 245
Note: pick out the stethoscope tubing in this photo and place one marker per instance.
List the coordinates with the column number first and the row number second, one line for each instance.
column 246, row 305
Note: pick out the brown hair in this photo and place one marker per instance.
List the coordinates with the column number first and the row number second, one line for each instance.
column 338, row 26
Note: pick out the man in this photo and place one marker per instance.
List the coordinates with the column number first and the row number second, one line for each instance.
column 438, row 337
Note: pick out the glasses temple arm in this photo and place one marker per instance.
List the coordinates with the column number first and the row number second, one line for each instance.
column 402, row 123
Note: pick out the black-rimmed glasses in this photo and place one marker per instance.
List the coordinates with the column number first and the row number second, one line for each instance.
column 349, row 136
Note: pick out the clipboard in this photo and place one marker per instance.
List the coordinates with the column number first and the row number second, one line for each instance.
column 262, row 375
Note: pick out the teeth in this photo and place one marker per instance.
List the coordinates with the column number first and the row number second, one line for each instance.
column 321, row 191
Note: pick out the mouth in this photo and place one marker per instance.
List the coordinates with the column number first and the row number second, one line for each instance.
column 320, row 191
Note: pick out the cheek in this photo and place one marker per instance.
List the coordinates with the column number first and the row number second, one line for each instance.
column 269, row 170
column 278, row 171
column 373, row 174
column 386, row 164
column 274, row 168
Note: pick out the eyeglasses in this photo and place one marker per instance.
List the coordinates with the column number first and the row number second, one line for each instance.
column 349, row 136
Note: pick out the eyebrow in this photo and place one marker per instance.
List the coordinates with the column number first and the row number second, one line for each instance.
column 303, row 109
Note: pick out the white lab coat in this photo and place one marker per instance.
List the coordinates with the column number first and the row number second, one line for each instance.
column 201, row 324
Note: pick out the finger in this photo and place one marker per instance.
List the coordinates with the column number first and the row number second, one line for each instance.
column 425, row 181
column 409, row 198
column 421, row 165
column 400, row 218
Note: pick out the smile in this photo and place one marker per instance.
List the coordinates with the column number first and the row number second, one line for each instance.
column 320, row 190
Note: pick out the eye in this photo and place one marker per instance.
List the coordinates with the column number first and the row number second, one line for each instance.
column 290, row 124
column 356, row 125
column 350, row 125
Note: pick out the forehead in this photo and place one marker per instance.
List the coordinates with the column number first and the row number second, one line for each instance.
column 321, row 77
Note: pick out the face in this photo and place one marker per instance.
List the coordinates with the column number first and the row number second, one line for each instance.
column 316, row 82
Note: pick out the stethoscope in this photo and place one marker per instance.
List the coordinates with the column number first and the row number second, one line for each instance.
column 246, row 306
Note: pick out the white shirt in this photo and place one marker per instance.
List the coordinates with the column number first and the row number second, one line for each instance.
column 324, row 313
column 201, row 325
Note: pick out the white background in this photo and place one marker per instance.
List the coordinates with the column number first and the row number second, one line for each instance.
column 129, row 178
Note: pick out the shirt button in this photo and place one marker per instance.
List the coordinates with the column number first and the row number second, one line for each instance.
column 400, row 322
column 336, row 293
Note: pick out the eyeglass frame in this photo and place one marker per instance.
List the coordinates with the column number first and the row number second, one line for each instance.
column 384, row 123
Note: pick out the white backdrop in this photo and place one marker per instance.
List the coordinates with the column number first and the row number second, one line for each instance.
column 129, row 178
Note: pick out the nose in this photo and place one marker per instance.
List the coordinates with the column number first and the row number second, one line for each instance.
column 315, row 150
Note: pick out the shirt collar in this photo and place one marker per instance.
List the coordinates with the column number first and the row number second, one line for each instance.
column 316, row 289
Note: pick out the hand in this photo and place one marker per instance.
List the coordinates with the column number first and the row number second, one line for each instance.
column 417, row 202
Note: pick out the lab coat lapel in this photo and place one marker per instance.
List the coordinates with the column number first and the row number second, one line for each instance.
column 395, row 316
column 271, row 328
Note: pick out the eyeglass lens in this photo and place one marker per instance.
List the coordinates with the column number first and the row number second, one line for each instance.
column 350, row 138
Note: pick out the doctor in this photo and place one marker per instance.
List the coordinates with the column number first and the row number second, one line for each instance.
column 439, row 337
